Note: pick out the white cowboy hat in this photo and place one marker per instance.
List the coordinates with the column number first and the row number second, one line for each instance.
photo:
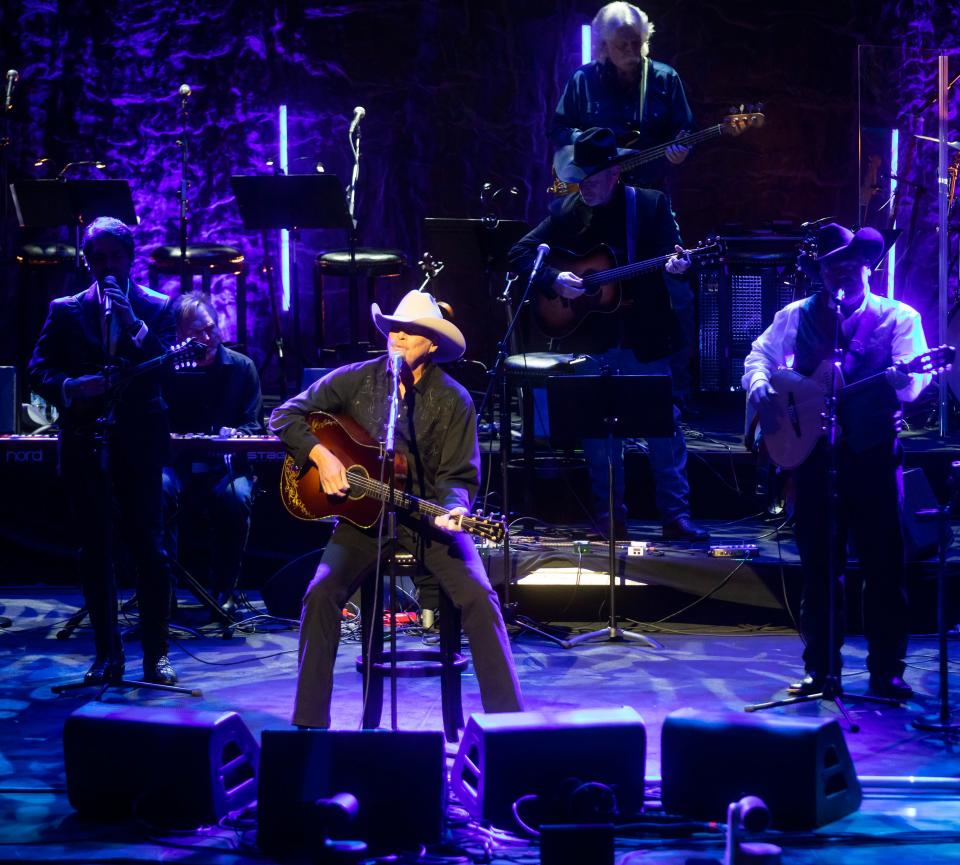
column 419, row 308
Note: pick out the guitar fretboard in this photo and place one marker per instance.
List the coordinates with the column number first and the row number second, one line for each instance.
column 645, row 156
column 627, row 270
column 381, row 492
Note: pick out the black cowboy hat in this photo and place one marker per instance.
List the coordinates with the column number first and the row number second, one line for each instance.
column 594, row 151
column 834, row 243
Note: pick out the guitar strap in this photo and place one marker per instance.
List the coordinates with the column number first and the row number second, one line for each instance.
column 630, row 194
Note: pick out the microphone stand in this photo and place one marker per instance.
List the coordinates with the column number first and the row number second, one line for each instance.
column 395, row 364
column 5, row 140
column 184, row 113
column 353, row 136
column 497, row 376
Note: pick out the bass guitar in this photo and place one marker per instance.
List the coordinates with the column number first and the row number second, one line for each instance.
column 794, row 424
column 558, row 317
column 733, row 124
column 99, row 410
column 303, row 496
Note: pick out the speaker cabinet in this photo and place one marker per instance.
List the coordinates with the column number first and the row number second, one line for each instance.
column 505, row 756
column 736, row 300
column 398, row 779
column 800, row 768
column 172, row 766
column 8, row 399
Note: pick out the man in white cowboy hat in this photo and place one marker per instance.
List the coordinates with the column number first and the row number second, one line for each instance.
column 437, row 431
column 875, row 332
column 641, row 336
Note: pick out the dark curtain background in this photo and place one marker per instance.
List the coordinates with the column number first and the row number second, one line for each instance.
column 458, row 94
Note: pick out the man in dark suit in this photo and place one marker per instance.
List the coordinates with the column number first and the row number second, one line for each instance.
column 113, row 440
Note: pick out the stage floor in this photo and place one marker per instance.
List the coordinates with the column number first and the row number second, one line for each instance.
column 253, row 674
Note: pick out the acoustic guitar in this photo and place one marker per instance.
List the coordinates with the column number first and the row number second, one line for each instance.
column 733, row 124
column 303, row 496
column 557, row 317
column 794, row 425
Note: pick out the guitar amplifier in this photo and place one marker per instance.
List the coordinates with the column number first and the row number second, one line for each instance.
column 736, row 300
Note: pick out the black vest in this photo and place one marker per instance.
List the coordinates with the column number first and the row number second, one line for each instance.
column 868, row 417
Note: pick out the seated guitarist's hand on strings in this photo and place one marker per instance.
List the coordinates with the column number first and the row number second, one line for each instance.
column 333, row 475
column 679, row 263
column 449, row 522
column 568, row 285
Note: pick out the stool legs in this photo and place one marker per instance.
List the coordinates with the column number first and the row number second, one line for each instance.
column 371, row 633
column 450, row 673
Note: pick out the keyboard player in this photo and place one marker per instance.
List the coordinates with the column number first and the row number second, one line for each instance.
column 219, row 397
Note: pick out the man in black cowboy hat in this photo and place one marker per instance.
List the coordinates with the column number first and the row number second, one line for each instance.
column 437, row 430
column 639, row 339
column 874, row 333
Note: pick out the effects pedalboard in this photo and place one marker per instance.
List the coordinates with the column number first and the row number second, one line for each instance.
column 733, row 551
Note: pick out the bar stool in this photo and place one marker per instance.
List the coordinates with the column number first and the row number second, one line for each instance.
column 371, row 264
column 206, row 260
column 526, row 372
column 447, row 662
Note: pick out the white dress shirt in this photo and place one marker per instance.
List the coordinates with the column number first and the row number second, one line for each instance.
column 776, row 346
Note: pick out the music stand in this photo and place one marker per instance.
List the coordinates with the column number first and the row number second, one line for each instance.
column 612, row 407
column 269, row 202
column 468, row 242
column 75, row 203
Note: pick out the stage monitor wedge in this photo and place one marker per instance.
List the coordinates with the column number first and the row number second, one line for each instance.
column 505, row 756
column 397, row 778
column 178, row 767
column 801, row 768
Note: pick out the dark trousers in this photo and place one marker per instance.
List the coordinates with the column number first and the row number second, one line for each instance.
column 870, row 504
column 228, row 501
column 114, row 495
column 350, row 557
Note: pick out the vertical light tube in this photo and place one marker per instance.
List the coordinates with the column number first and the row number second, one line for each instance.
column 585, row 39
column 284, row 233
column 894, row 170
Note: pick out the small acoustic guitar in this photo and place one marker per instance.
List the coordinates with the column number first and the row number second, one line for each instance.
column 794, row 425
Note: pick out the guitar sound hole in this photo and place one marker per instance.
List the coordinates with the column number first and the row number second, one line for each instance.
column 589, row 290
column 356, row 492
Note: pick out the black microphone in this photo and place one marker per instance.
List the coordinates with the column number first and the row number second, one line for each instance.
column 542, row 252
column 358, row 114
column 396, row 362
column 108, row 282
column 12, row 77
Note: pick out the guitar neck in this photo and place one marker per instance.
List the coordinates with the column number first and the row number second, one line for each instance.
column 381, row 492
column 652, row 153
column 628, row 270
